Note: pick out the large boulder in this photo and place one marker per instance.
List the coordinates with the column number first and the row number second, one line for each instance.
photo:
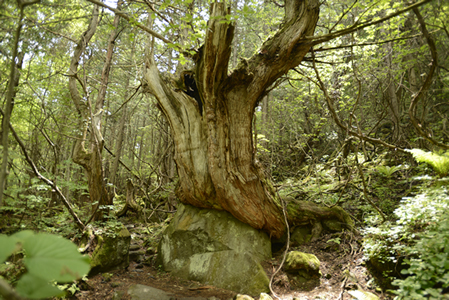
column 111, row 252
column 214, row 248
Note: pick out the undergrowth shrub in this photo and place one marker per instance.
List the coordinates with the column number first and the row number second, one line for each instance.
column 419, row 235
column 428, row 272
column 439, row 161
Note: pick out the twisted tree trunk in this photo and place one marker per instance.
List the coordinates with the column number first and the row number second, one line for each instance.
column 88, row 149
column 214, row 146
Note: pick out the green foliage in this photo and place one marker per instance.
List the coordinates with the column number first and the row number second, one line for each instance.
column 428, row 272
column 420, row 236
column 109, row 228
column 336, row 240
column 413, row 215
column 439, row 162
column 387, row 171
column 48, row 258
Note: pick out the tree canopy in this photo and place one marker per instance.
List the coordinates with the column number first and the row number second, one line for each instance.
column 228, row 105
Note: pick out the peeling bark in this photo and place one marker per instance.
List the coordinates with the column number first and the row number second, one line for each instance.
column 215, row 152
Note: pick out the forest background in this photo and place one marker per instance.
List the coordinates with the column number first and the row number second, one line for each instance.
column 333, row 130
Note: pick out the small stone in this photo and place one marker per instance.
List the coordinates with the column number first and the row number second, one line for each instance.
column 243, row 297
column 138, row 291
column 359, row 294
column 136, row 256
column 148, row 261
column 328, row 276
column 264, row 296
column 111, row 252
column 134, row 247
column 296, row 261
column 118, row 295
column 116, row 284
column 107, row 276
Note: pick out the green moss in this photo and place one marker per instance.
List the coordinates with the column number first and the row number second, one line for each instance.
column 305, row 212
column 297, row 261
column 301, row 235
column 111, row 251
column 214, row 248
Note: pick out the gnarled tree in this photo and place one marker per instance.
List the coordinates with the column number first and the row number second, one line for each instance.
column 212, row 130
column 214, row 147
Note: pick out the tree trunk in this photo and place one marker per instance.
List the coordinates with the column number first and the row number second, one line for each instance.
column 90, row 156
column 16, row 63
column 122, row 125
column 214, row 149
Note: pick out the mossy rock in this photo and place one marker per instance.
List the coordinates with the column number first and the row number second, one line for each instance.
column 301, row 235
column 303, row 270
column 214, row 248
column 111, row 252
column 300, row 261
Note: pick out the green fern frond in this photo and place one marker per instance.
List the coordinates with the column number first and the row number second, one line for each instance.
column 439, row 162
column 387, row 171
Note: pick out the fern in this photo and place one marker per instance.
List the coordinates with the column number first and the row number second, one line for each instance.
column 387, row 171
column 439, row 162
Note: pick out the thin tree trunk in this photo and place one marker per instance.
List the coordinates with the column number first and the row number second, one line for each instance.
column 90, row 156
column 119, row 142
column 16, row 64
column 393, row 99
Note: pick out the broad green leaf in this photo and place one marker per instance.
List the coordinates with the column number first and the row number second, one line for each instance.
column 34, row 287
column 21, row 236
column 8, row 244
column 51, row 257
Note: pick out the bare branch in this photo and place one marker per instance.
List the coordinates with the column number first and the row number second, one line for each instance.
column 327, row 37
column 44, row 179
column 367, row 43
column 337, row 120
column 433, row 64
column 45, row 28
column 342, row 15
column 125, row 16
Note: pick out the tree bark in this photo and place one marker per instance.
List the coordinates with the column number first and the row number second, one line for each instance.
column 90, row 156
column 122, row 125
column 16, row 63
column 214, row 150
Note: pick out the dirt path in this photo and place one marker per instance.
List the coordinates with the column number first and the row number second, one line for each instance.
column 337, row 260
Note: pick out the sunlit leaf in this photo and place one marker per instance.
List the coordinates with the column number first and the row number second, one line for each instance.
column 35, row 287
column 54, row 258
column 8, row 244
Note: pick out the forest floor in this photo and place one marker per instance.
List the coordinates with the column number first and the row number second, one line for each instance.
column 338, row 259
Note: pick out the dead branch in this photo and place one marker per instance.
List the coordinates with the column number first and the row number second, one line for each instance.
column 412, row 110
column 127, row 18
column 47, row 181
column 357, row 26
